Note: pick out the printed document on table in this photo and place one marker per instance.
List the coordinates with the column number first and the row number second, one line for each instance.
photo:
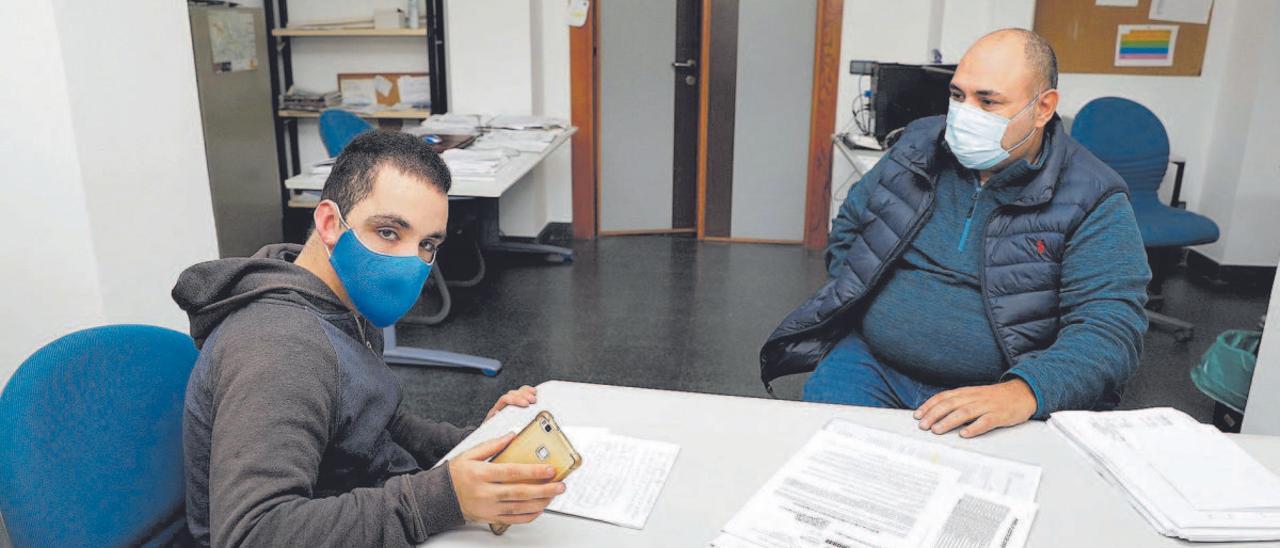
column 839, row 490
column 620, row 478
column 996, row 475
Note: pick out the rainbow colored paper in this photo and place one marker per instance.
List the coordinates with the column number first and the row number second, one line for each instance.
column 1145, row 45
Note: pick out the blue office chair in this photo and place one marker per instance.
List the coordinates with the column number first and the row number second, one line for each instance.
column 338, row 127
column 91, row 440
column 1130, row 138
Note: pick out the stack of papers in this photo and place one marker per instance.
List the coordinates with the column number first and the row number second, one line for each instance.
column 527, row 122
column 620, row 478
column 333, row 24
column 533, row 140
column 856, row 486
column 323, row 167
column 313, row 101
column 474, row 163
column 450, row 123
column 1187, row 479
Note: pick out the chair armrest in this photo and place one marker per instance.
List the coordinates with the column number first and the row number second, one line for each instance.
column 1176, row 200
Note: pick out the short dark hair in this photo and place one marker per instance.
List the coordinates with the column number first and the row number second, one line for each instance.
column 1040, row 55
column 357, row 166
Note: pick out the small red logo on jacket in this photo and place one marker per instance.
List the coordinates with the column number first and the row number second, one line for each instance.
column 1040, row 248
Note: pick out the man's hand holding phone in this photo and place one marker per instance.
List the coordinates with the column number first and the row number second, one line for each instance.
column 501, row 493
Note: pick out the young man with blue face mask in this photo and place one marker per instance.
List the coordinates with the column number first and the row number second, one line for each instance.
column 294, row 431
column 986, row 271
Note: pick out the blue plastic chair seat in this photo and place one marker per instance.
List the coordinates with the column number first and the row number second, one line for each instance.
column 1164, row 226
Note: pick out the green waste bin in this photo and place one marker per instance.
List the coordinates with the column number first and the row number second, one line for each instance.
column 1225, row 372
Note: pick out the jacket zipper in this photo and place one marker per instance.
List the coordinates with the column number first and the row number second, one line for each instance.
column 968, row 220
column 363, row 337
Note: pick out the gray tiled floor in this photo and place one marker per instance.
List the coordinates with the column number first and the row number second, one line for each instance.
column 676, row 314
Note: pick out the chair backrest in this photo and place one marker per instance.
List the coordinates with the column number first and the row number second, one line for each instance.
column 338, row 127
column 91, row 438
column 1128, row 137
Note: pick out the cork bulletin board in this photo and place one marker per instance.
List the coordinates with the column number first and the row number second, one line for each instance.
column 1084, row 36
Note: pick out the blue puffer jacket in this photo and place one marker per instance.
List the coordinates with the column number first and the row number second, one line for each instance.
column 1020, row 282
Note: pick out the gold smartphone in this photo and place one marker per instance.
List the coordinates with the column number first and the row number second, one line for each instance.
column 540, row 442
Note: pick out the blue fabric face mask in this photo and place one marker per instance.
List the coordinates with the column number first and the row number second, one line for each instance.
column 974, row 135
column 382, row 287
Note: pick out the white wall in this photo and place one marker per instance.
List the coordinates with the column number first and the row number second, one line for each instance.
column 1254, row 141
column 551, row 98
column 1262, row 414
column 512, row 57
column 962, row 23
column 106, row 194
column 141, row 145
column 1229, row 176
column 490, row 55
column 545, row 195
column 50, row 277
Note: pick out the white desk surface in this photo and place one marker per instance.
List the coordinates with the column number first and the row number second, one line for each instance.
column 463, row 186
column 730, row 446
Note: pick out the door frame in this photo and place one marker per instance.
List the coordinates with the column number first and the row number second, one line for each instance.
column 584, row 112
column 822, row 122
column 584, row 90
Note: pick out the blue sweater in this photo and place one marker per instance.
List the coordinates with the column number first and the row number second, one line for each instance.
column 927, row 320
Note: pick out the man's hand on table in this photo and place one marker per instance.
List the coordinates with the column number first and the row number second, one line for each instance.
column 523, row 397
column 983, row 408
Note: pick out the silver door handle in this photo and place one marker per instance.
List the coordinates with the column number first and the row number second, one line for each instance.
column 687, row 64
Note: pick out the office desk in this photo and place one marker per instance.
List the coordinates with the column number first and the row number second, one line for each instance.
column 463, row 186
column 487, row 190
column 705, row 488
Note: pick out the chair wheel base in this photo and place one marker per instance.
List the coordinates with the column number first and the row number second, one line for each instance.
column 1182, row 331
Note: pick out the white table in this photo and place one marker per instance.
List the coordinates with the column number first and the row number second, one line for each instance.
column 730, row 446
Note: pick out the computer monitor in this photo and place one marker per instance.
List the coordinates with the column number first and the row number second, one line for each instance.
column 902, row 93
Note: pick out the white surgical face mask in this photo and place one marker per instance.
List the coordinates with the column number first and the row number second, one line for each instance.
column 975, row 135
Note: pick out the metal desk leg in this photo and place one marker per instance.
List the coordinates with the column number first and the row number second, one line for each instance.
column 446, row 301
column 408, row 355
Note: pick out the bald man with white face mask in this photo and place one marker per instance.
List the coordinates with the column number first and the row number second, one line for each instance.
column 987, row 271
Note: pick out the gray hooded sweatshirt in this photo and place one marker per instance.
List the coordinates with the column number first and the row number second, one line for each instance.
column 293, row 430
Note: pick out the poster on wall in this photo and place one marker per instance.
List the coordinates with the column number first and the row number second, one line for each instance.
column 232, row 41
column 1145, row 45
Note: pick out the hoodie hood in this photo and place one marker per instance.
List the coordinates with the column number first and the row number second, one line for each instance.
column 210, row 291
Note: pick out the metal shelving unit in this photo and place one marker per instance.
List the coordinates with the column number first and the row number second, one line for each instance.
column 280, row 41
